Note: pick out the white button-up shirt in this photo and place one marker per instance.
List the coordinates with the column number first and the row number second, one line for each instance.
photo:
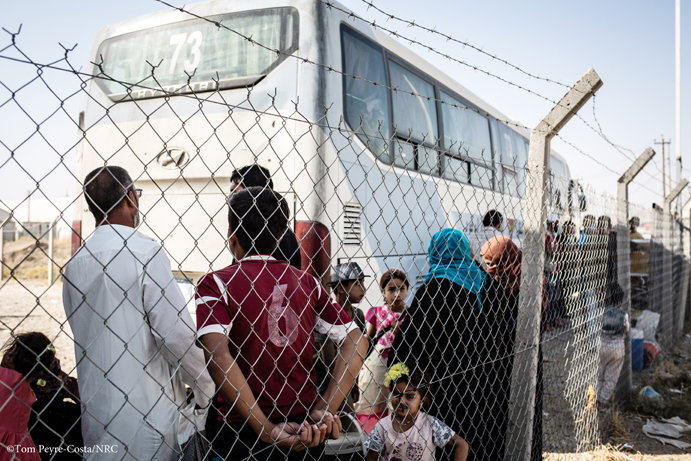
column 134, row 345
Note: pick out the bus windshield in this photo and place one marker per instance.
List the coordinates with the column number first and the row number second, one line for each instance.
column 214, row 57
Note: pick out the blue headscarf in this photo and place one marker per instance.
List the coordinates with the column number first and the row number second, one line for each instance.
column 449, row 258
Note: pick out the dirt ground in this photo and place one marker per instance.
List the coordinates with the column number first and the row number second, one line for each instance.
column 34, row 306
column 623, row 426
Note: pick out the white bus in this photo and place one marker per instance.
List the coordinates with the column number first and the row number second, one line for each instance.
column 372, row 173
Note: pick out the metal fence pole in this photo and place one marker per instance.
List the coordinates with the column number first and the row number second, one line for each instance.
column 667, row 291
column 51, row 249
column 524, row 379
column 686, row 248
column 51, row 232
column 624, row 255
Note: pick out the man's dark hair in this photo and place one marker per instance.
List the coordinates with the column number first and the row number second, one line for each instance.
column 492, row 219
column 253, row 176
column 258, row 218
column 104, row 190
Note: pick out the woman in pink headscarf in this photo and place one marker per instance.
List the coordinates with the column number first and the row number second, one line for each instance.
column 503, row 259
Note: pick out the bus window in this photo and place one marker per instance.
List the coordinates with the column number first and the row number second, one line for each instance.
column 496, row 155
column 416, row 157
column 200, row 49
column 467, row 133
column 404, row 154
column 428, row 160
column 514, row 156
column 456, row 170
column 366, row 105
column 415, row 116
column 558, row 182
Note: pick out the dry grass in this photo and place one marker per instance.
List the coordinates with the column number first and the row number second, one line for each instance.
column 609, row 453
column 670, row 376
column 617, row 428
column 601, row 453
column 26, row 259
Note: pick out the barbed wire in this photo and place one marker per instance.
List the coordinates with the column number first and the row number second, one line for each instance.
column 140, row 85
column 370, row 4
column 128, row 85
column 580, row 151
column 620, row 149
column 331, row 69
column 412, row 41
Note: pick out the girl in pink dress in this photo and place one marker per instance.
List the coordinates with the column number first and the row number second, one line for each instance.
column 383, row 321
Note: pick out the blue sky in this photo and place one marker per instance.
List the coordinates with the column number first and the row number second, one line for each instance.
column 629, row 43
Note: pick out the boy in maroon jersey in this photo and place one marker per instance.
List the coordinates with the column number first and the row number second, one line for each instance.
column 255, row 320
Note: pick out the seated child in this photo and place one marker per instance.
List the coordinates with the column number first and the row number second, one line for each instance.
column 408, row 433
column 54, row 421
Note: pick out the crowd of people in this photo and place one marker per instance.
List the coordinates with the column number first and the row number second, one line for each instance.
column 273, row 359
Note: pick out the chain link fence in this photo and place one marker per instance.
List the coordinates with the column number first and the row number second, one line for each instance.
column 394, row 215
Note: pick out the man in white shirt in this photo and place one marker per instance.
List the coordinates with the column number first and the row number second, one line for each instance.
column 134, row 338
column 491, row 223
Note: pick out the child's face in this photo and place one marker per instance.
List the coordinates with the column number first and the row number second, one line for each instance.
column 354, row 291
column 406, row 402
column 395, row 293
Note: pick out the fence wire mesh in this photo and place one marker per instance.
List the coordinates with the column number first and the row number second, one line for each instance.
column 356, row 296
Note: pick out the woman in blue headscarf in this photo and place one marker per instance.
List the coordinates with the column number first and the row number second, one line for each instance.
column 456, row 332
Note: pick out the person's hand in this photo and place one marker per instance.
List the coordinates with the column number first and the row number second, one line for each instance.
column 293, row 436
column 332, row 423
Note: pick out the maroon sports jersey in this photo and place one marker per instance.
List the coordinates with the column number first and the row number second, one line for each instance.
column 269, row 310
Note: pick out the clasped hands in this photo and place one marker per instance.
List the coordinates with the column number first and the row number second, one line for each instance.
column 320, row 425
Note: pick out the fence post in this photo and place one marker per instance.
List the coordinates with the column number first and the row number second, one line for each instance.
column 667, row 290
column 524, row 379
column 624, row 254
column 686, row 248
column 51, row 249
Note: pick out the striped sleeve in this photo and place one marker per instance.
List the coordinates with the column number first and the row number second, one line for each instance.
column 213, row 313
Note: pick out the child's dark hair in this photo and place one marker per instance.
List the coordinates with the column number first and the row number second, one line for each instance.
column 33, row 355
column 258, row 217
column 253, row 176
column 492, row 219
column 392, row 274
column 417, row 378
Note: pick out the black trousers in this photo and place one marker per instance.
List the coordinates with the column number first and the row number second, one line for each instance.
column 56, row 424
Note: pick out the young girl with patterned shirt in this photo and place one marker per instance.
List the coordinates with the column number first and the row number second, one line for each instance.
column 408, row 434
column 383, row 321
